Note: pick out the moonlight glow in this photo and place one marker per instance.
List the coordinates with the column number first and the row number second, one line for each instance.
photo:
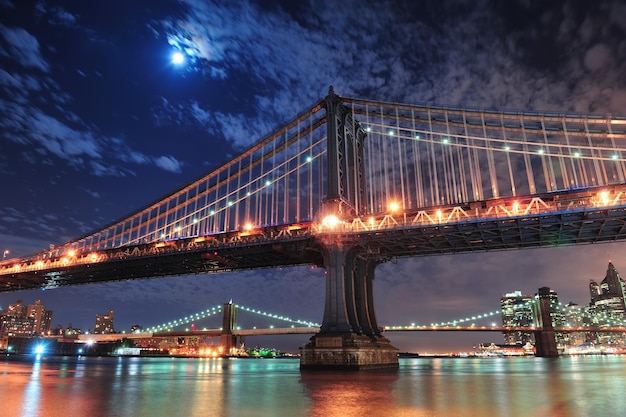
column 178, row 58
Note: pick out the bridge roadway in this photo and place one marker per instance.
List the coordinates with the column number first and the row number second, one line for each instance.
column 313, row 330
column 566, row 218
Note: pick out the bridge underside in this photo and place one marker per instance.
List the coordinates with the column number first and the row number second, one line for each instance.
column 174, row 259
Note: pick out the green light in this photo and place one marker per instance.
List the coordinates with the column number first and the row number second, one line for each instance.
column 309, row 159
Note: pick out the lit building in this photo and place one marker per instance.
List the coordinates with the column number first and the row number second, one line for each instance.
column 18, row 309
column 104, row 323
column 516, row 312
column 608, row 296
column 16, row 326
column 15, row 322
column 608, row 305
column 41, row 317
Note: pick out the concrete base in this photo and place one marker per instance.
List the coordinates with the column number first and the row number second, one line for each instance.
column 545, row 344
column 348, row 351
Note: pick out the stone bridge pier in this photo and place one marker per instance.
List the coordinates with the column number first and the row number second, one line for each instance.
column 349, row 337
column 228, row 340
column 545, row 339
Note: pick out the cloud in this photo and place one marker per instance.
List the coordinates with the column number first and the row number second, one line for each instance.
column 23, row 47
column 168, row 163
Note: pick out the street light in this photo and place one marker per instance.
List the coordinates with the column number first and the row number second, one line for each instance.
column 4, row 254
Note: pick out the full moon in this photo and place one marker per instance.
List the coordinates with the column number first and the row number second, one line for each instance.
column 178, row 58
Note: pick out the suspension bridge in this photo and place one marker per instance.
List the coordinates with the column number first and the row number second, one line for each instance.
column 185, row 334
column 352, row 183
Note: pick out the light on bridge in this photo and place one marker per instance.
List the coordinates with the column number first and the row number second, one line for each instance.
column 394, row 206
column 604, row 197
column 330, row 221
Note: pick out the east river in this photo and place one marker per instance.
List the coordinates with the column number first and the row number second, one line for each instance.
column 173, row 387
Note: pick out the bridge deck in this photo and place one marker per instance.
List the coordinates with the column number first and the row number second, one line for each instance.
column 568, row 218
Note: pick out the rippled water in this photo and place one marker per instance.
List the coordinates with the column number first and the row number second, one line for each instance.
column 155, row 387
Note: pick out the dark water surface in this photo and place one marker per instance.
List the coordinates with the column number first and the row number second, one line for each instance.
column 159, row 387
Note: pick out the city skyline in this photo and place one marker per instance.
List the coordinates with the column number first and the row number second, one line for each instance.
column 600, row 299
column 99, row 121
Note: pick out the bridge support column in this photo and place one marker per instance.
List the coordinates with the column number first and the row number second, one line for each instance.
column 349, row 337
column 228, row 340
column 545, row 339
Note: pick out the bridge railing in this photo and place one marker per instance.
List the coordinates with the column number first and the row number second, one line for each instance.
column 560, row 202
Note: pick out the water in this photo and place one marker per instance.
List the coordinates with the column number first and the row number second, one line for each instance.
column 172, row 387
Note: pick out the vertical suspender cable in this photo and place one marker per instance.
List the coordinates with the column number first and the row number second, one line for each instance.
column 571, row 182
column 593, row 156
column 490, row 161
column 616, row 155
column 401, row 160
column 508, row 156
column 532, row 189
column 432, row 164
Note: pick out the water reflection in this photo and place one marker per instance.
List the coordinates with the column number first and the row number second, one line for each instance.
column 349, row 394
column 30, row 405
column 159, row 387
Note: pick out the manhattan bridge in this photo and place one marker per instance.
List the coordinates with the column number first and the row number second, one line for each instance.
column 352, row 183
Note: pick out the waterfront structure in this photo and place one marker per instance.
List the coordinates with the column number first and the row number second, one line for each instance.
column 517, row 312
column 104, row 323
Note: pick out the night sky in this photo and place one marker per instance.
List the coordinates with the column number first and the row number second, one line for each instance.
column 97, row 121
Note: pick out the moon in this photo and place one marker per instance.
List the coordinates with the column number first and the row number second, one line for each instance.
column 178, row 58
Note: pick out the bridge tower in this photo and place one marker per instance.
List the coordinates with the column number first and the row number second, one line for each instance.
column 229, row 322
column 545, row 339
column 350, row 337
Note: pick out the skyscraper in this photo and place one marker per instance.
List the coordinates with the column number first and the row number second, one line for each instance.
column 608, row 296
column 516, row 312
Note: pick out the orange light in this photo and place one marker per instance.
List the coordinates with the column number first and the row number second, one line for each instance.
column 330, row 221
column 604, row 196
column 394, row 206
column 71, row 253
column 94, row 257
column 248, row 226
